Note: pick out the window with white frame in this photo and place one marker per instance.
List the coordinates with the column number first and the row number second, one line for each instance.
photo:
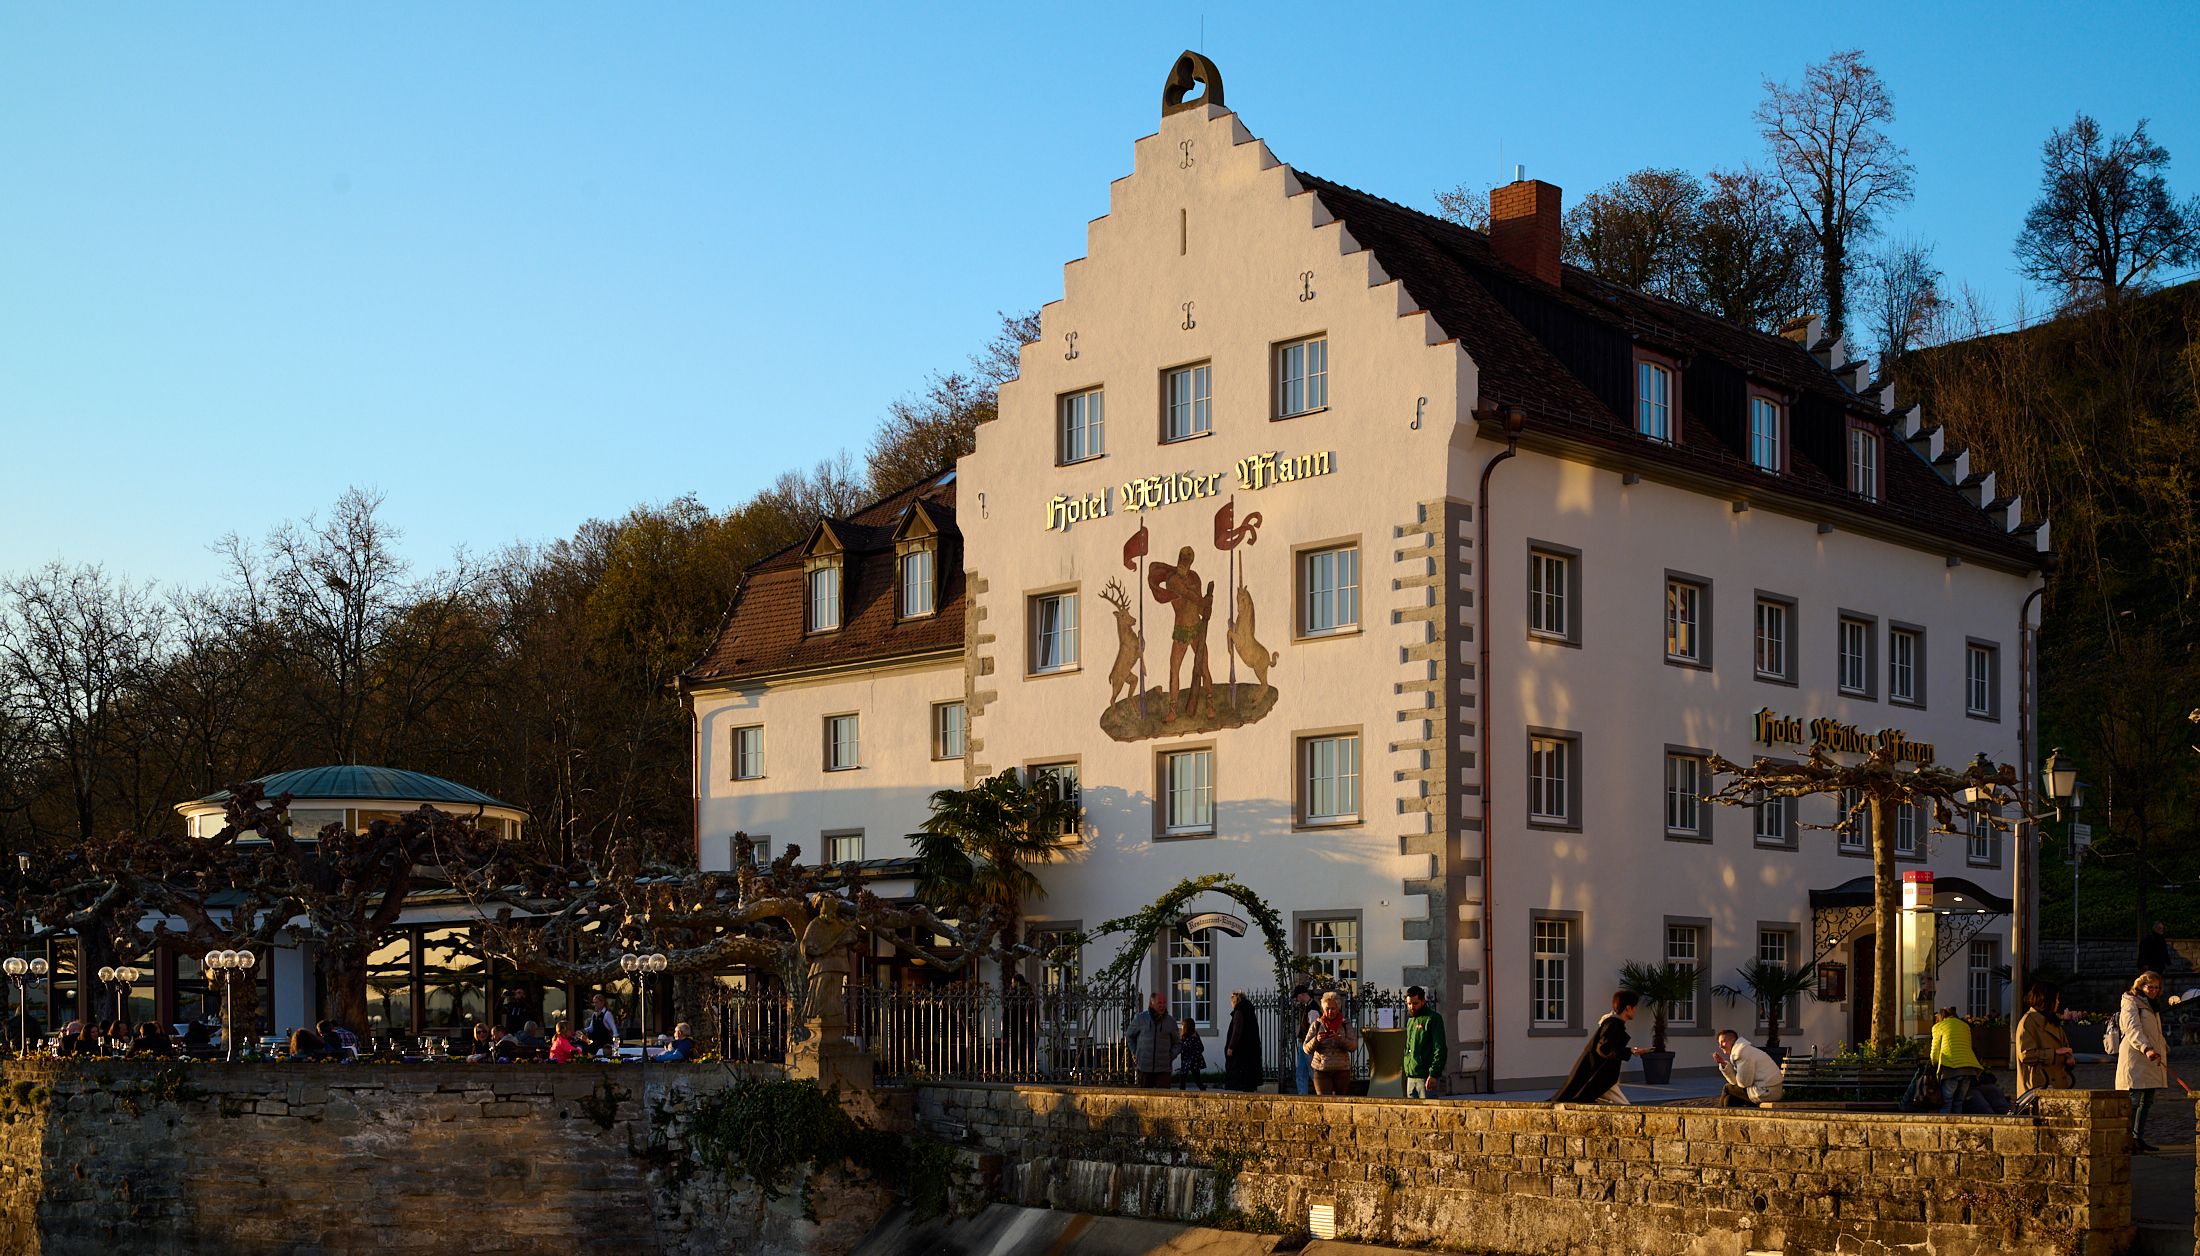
column 1186, row 404
column 1777, row 948
column 1188, row 791
column 1062, row 779
column 1683, row 947
column 1192, row 977
column 1302, row 376
column 1329, row 778
column 1083, row 426
column 1984, row 984
column 1764, row 434
column 1775, row 639
column 1864, row 463
column 1550, row 594
column 844, row 847
column 1654, row 401
column 1552, row 973
column 1684, row 621
column 1909, row 829
column 1329, row 590
column 950, row 730
column 1053, row 632
column 1982, row 844
column 1855, row 664
column 1981, row 669
column 1684, row 811
column 1333, row 947
column 824, row 594
column 760, row 850
column 1550, row 780
column 1905, row 652
column 1854, row 824
column 748, row 752
column 1057, row 977
column 916, row 581
column 843, row 744
column 1770, row 821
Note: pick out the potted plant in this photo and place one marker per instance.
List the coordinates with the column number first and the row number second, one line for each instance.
column 1659, row 985
column 1770, row 986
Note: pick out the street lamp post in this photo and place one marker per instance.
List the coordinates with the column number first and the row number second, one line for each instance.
column 18, row 970
column 229, row 967
column 121, row 979
column 640, row 967
column 2061, row 778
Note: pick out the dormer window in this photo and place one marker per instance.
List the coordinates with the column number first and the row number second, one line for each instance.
column 918, row 597
column 1767, row 434
column 1864, row 462
column 823, row 576
column 1657, row 399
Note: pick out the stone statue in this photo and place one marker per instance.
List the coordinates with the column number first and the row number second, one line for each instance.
column 827, row 959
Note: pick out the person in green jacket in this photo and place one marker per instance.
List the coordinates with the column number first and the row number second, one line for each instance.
column 1425, row 1049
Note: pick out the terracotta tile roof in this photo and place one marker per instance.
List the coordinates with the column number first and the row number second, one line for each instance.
column 1565, row 354
column 763, row 631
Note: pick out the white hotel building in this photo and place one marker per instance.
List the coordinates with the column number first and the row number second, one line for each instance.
column 1460, row 696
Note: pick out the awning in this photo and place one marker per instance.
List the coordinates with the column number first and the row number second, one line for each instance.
column 1951, row 895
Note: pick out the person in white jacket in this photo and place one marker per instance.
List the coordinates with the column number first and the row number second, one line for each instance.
column 1752, row 1075
column 2142, row 1055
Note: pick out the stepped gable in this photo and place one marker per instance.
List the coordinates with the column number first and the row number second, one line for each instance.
column 1564, row 353
column 762, row 634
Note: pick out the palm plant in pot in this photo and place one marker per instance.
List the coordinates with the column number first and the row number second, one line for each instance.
column 1659, row 985
column 1770, row 986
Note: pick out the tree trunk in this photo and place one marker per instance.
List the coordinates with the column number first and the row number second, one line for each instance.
column 1886, row 918
column 344, row 976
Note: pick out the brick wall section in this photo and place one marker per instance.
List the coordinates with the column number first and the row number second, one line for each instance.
column 1528, row 1178
column 385, row 1160
column 1525, row 227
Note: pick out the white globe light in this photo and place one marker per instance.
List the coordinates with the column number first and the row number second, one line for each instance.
column 628, row 963
column 106, row 973
column 211, row 962
column 658, row 963
column 128, row 973
column 39, row 967
column 245, row 959
column 14, row 966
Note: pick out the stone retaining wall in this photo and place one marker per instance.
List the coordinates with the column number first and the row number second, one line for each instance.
column 248, row 1159
column 1529, row 1178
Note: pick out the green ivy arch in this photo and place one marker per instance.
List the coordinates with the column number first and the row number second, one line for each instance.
column 1144, row 925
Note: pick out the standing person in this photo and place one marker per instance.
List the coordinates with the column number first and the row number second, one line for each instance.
column 1241, row 1060
column 2044, row 1055
column 1152, row 1041
column 1595, row 1078
column 2154, row 954
column 2142, row 1054
column 1297, row 1018
column 1426, row 1049
column 1752, row 1075
column 517, row 1011
column 1954, row 1063
column 601, row 1027
column 1330, row 1042
column 1191, row 1056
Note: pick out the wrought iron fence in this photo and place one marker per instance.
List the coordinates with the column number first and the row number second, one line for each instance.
column 752, row 1025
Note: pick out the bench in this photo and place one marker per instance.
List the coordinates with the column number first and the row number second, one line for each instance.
column 1809, row 1082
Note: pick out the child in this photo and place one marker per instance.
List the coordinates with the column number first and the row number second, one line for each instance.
column 1191, row 1056
column 565, row 1045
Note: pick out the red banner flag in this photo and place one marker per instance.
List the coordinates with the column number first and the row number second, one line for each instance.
column 1229, row 533
column 1135, row 549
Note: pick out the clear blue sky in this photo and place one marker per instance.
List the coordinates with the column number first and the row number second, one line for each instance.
column 520, row 265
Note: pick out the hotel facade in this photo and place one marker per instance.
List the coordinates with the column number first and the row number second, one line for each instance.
column 1411, row 577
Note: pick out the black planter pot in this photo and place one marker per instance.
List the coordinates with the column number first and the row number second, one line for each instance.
column 1779, row 1054
column 1657, row 1068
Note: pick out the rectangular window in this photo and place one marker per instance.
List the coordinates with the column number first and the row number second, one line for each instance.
column 1329, row 590
column 1984, row 985
column 916, row 582
column 1854, row 824
column 1775, row 640
column 748, row 753
column 1684, row 808
column 843, row 847
column 1188, row 792
column 1864, row 463
column 1764, row 434
column 843, row 748
column 1302, row 376
column 1551, row 997
column 1777, row 948
column 1905, row 655
column 1685, row 622
column 1550, row 588
column 1653, row 401
column 950, row 730
column 1192, row 978
column 1069, row 973
column 1333, row 945
column 1855, row 664
column 1909, row 830
column 1053, row 632
column 1329, row 779
column 1982, row 846
column 1551, row 780
column 1062, row 778
column 1084, row 426
column 1772, row 821
column 1683, row 946
column 1981, row 677
column 1186, row 403
column 825, row 596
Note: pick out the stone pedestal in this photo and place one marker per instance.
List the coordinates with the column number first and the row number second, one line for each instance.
column 829, row 1059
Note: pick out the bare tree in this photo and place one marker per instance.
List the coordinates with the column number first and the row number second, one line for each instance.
column 1637, row 232
column 1749, row 260
column 1829, row 146
column 2105, row 222
column 1467, row 204
column 1902, row 304
column 924, row 434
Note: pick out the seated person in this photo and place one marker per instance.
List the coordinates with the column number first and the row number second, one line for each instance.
column 307, row 1045
column 1986, row 1098
column 524, row 1045
column 72, row 1040
column 566, row 1045
column 198, row 1034
column 682, row 1050
column 152, row 1039
column 340, row 1040
column 482, row 1047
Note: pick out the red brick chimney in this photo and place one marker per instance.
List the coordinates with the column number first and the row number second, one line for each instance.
column 1524, row 226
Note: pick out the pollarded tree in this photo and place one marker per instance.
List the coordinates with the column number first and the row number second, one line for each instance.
column 1869, row 791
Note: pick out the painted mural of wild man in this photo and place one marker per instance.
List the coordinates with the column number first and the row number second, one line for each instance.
column 1179, row 587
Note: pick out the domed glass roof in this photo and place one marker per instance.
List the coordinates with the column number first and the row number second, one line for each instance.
column 394, row 784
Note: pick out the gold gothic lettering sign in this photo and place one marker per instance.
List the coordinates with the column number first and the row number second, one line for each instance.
column 1839, row 738
column 1252, row 473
